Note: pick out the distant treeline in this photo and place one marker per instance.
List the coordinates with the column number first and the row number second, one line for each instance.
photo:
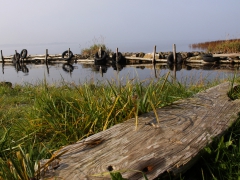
column 224, row 46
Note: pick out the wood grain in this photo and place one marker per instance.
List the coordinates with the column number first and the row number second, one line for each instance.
column 185, row 128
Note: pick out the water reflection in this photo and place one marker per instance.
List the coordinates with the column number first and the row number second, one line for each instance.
column 210, row 67
column 3, row 68
column 102, row 67
column 173, row 67
column 20, row 66
column 118, row 66
column 80, row 71
column 67, row 67
column 188, row 67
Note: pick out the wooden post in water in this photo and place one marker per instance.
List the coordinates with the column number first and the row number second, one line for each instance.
column 46, row 60
column 46, row 56
column 117, row 60
column 16, row 57
column 2, row 58
column 116, row 54
column 100, row 52
column 154, row 52
column 174, row 53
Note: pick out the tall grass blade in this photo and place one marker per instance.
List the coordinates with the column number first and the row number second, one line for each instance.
column 155, row 112
column 109, row 114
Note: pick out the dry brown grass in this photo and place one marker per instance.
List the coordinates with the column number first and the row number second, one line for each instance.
column 219, row 46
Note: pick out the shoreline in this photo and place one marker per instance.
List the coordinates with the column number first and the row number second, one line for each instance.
column 187, row 57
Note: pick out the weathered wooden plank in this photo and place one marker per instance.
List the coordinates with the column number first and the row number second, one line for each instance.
column 145, row 59
column 185, row 128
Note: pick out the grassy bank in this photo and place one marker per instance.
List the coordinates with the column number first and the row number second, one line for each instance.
column 38, row 120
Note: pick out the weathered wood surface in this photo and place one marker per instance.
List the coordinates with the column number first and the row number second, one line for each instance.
column 145, row 59
column 185, row 128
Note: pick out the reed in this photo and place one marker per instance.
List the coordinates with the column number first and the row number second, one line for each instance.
column 94, row 46
column 222, row 46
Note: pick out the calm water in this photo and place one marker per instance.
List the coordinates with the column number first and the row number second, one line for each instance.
column 79, row 73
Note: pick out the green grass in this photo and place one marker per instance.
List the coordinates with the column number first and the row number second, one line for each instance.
column 37, row 120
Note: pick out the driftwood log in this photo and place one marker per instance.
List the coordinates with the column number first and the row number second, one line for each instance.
column 169, row 142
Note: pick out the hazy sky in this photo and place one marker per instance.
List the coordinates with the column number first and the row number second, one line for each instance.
column 126, row 24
